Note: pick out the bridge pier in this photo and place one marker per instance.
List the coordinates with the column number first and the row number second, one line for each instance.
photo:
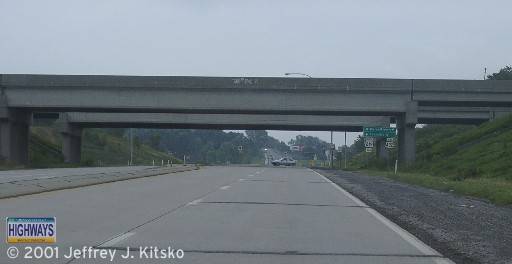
column 14, row 134
column 382, row 152
column 71, row 140
column 406, row 124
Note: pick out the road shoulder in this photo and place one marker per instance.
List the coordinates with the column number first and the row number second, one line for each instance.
column 464, row 229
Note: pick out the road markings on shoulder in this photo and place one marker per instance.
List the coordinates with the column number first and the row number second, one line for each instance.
column 411, row 239
column 225, row 187
column 116, row 239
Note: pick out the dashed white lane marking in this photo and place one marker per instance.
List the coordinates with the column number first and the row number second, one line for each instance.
column 117, row 239
column 414, row 241
column 241, row 180
column 225, row 187
column 251, row 175
column 195, row 202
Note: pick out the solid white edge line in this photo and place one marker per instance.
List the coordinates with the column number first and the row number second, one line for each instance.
column 410, row 238
column 117, row 239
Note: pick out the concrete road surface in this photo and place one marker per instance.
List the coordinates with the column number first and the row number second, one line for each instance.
column 219, row 215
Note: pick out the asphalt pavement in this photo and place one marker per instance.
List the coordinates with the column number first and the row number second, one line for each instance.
column 219, row 215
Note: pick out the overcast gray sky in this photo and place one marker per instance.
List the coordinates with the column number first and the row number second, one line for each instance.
column 323, row 38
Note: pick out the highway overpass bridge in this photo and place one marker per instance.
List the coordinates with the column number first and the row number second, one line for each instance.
column 408, row 101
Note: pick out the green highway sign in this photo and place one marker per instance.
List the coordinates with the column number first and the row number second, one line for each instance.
column 387, row 132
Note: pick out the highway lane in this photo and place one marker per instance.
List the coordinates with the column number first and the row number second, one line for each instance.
column 223, row 215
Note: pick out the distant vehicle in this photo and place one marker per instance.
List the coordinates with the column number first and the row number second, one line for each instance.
column 284, row 162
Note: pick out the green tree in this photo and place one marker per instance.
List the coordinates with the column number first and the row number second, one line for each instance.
column 358, row 145
column 311, row 146
column 504, row 74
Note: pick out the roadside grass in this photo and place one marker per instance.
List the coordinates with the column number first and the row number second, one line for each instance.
column 466, row 159
column 99, row 148
column 496, row 190
column 5, row 165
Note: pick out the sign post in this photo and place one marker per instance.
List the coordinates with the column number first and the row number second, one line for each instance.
column 389, row 133
column 369, row 143
column 390, row 142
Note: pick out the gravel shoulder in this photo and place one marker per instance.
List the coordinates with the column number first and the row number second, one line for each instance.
column 464, row 229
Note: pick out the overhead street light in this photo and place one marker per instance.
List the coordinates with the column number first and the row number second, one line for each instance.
column 297, row 73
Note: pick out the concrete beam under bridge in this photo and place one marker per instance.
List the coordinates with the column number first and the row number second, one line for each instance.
column 72, row 124
column 226, row 121
column 460, row 115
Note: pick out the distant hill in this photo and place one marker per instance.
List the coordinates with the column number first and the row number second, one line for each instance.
column 211, row 146
column 221, row 147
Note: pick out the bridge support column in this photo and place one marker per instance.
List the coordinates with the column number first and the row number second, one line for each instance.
column 71, row 140
column 407, row 135
column 382, row 152
column 14, row 134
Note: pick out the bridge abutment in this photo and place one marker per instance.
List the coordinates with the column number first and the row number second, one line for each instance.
column 14, row 134
column 71, row 140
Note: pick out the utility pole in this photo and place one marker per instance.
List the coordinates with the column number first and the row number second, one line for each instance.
column 345, row 149
column 331, row 152
column 131, row 146
column 485, row 73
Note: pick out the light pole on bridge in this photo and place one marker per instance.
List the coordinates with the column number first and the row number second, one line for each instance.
column 331, row 149
column 297, row 73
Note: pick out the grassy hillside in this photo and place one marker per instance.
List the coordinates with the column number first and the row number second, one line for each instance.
column 99, row 147
column 470, row 160
column 460, row 152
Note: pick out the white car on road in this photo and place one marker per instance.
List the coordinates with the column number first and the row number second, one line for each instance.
column 284, row 161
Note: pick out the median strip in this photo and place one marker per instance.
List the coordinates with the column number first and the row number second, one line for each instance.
column 27, row 187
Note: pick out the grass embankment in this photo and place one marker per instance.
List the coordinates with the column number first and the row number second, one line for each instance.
column 99, row 148
column 470, row 160
column 495, row 190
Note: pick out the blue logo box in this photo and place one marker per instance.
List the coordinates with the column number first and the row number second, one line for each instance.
column 31, row 229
